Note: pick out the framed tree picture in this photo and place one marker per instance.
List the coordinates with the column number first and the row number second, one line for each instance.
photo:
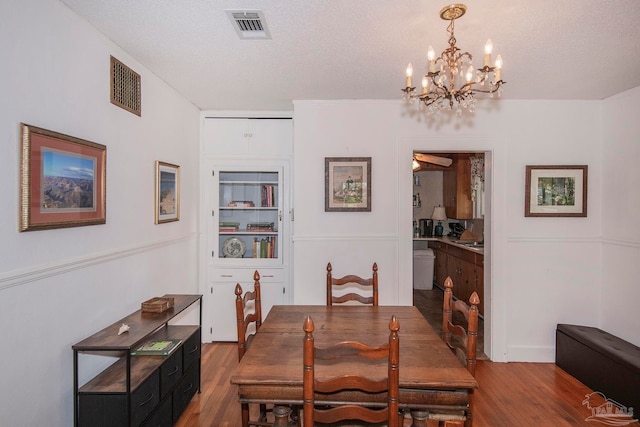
column 556, row 191
column 347, row 184
column 62, row 180
column 167, row 194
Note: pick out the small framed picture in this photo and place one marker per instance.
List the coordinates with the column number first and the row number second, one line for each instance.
column 62, row 180
column 347, row 184
column 167, row 198
column 556, row 191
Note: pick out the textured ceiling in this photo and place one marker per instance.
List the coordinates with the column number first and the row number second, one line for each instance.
column 359, row 49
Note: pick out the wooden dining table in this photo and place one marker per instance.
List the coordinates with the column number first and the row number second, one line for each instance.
column 432, row 380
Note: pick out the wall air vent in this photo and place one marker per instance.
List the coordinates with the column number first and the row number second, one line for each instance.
column 249, row 24
column 125, row 87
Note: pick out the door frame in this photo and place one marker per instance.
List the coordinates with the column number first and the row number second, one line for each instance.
column 406, row 146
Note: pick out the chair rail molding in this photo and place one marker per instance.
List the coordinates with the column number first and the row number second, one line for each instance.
column 343, row 237
column 40, row 272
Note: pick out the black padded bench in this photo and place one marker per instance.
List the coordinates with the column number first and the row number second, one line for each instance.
column 601, row 361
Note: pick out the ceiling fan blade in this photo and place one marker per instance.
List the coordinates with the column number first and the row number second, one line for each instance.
column 437, row 160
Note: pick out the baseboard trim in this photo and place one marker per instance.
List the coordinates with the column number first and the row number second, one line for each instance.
column 527, row 353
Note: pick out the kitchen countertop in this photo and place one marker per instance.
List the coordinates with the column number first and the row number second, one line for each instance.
column 454, row 242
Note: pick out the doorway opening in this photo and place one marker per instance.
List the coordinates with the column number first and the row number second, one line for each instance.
column 451, row 183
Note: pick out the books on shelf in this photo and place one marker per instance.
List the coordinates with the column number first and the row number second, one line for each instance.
column 157, row 348
column 268, row 196
column 260, row 226
column 265, row 247
column 229, row 226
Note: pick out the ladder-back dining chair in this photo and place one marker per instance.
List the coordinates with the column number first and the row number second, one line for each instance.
column 461, row 341
column 349, row 281
column 249, row 320
column 465, row 345
column 352, row 384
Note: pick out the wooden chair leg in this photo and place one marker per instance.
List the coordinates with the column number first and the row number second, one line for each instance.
column 401, row 418
column 419, row 418
column 295, row 415
column 263, row 412
column 281, row 414
column 245, row 414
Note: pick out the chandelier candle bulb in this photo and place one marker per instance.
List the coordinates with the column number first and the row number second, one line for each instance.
column 488, row 49
column 409, row 74
column 425, row 84
column 498, row 71
column 431, row 56
column 469, row 74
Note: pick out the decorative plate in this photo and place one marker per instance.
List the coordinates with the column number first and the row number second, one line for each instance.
column 233, row 248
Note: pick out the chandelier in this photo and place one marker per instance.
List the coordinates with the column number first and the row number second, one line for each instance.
column 451, row 78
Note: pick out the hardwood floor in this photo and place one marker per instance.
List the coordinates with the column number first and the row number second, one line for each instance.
column 510, row 394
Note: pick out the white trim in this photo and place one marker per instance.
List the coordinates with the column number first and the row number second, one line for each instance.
column 527, row 239
column 620, row 242
column 40, row 272
column 368, row 237
column 213, row 114
column 528, row 353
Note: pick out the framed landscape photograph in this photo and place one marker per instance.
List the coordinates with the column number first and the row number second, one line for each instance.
column 556, row 191
column 167, row 199
column 347, row 184
column 62, row 180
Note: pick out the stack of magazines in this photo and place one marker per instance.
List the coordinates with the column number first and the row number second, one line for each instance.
column 157, row 348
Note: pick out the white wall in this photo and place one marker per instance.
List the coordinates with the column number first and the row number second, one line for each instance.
column 59, row 286
column 620, row 292
column 543, row 270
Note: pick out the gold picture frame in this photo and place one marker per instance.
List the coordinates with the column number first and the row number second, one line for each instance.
column 167, row 192
column 556, row 191
column 347, row 184
column 62, row 180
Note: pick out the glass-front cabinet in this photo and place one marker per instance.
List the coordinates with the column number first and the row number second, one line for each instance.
column 249, row 216
column 246, row 216
column 248, row 232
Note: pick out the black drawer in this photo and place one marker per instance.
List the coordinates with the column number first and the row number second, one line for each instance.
column 170, row 372
column 191, row 350
column 185, row 390
column 110, row 410
column 102, row 410
column 162, row 416
column 145, row 398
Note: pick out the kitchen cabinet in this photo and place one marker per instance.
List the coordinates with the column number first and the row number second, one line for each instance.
column 139, row 390
column 465, row 267
column 246, row 220
column 457, row 188
column 461, row 268
column 440, row 264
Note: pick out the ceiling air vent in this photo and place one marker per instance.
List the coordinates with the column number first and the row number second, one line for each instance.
column 125, row 87
column 249, row 24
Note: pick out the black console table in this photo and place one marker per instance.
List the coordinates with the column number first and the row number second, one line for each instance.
column 140, row 390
